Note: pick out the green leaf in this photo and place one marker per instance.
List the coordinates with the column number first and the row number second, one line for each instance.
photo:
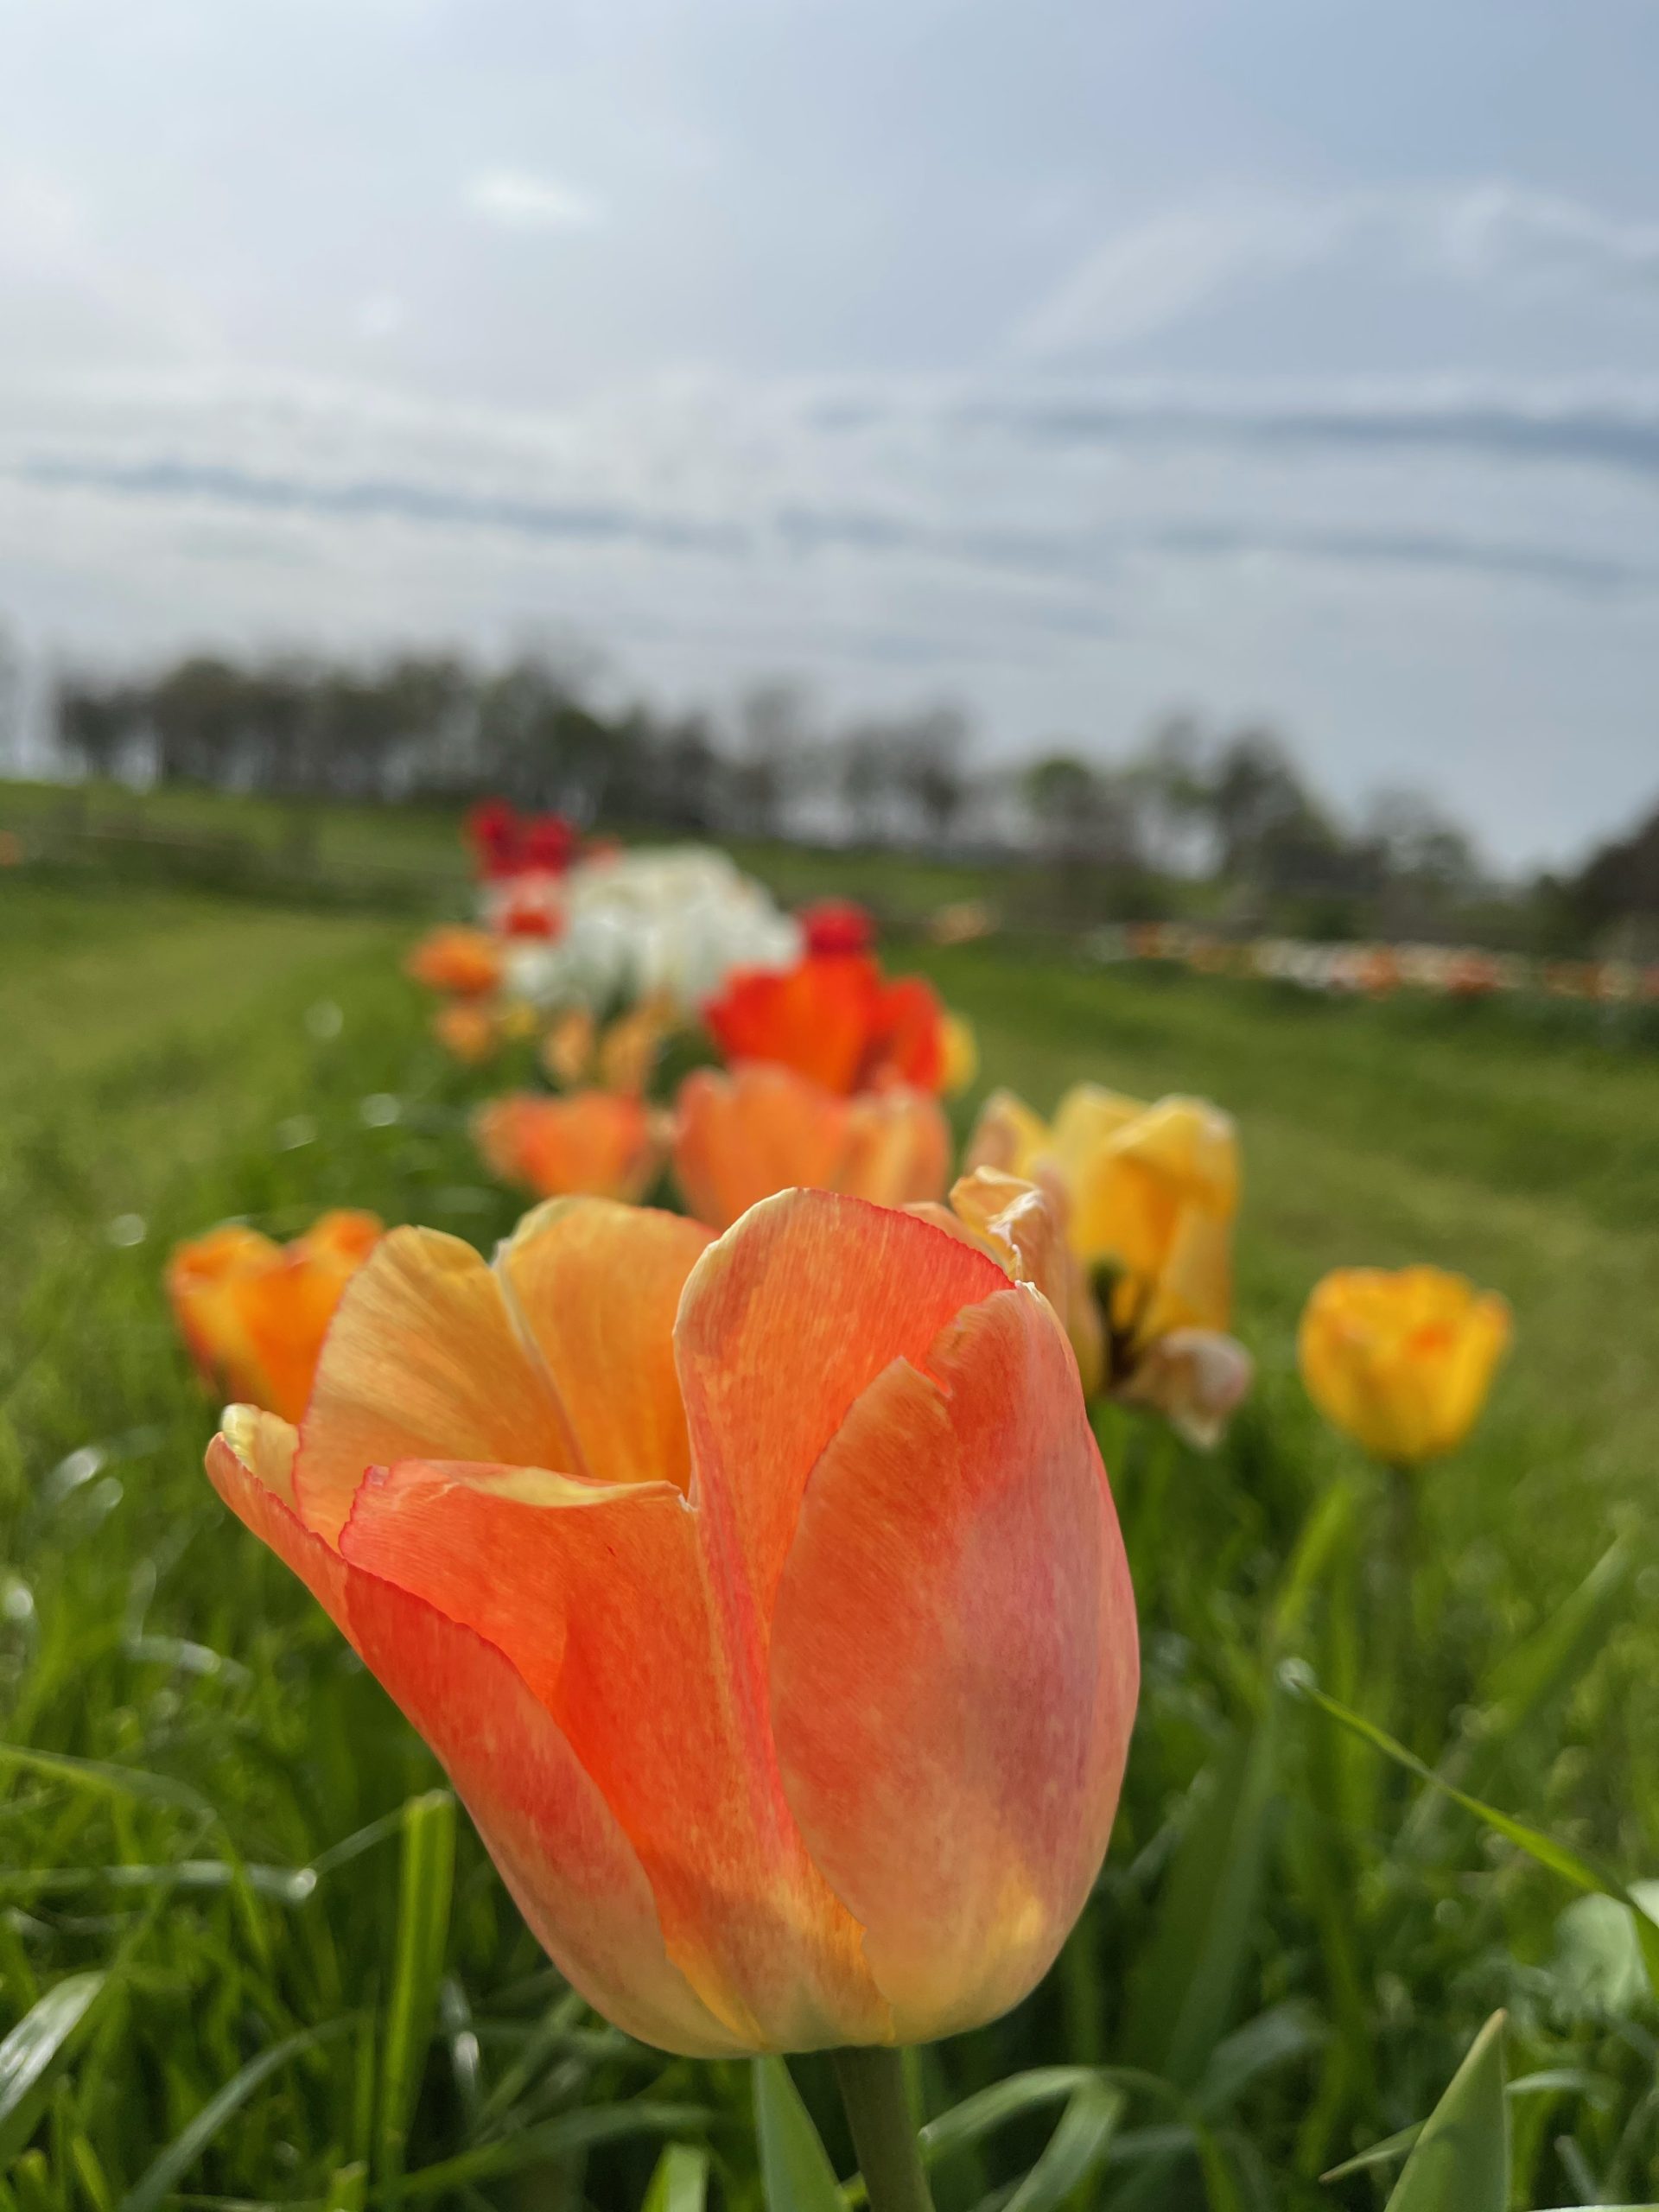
column 1575, row 1866
column 992, row 2108
column 426, row 1879
column 34, row 2049
column 681, row 2181
column 163, row 2178
column 1186, row 1980
column 1460, row 2162
column 535, row 2147
column 1076, row 2150
column 796, row 2173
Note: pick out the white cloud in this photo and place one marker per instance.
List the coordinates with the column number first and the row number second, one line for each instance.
column 1153, row 274
column 515, row 201
column 381, row 314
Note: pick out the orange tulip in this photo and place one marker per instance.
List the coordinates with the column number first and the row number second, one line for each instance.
column 835, row 1018
column 740, row 1137
column 601, row 1143
column 764, row 1599
column 465, row 962
column 470, row 1030
column 254, row 1313
column 1402, row 1361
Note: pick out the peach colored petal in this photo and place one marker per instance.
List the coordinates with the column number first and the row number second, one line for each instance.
column 250, row 1464
column 596, row 1143
column 898, row 1148
column 739, row 1138
column 785, row 1321
column 596, row 1286
column 422, row 1359
column 606, row 1617
column 954, row 1665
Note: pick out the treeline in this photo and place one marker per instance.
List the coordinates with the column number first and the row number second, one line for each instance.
column 1229, row 816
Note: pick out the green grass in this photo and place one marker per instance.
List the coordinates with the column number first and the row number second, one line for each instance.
column 1287, row 1931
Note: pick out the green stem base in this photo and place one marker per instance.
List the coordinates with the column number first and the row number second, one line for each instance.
column 884, row 2135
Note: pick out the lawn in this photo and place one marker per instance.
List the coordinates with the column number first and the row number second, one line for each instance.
column 219, row 1840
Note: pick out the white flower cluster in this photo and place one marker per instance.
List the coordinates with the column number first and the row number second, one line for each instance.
column 675, row 919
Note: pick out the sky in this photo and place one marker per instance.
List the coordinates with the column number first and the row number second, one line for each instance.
column 1076, row 360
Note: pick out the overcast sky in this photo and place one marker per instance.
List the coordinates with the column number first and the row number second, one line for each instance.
column 1076, row 358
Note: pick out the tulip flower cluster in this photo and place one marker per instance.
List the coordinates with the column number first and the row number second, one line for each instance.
column 747, row 1557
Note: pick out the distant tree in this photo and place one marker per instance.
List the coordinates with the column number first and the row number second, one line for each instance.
column 773, row 743
column 1171, row 776
column 95, row 722
column 1618, row 886
column 199, row 711
column 1419, row 845
column 929, row 767
column 689, row 773
column 863, row 778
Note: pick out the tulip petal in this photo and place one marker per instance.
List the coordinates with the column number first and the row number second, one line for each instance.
column 250, row 1464
column 954, row 1664
column 596, row 1285
column 607, row 1617
column 570, row 1868
column 422, row 1360
column 785, row 1321
column 738, row 1138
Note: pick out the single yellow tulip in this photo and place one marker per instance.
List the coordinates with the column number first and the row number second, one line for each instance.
column 1151, row 1190
column 1402, row 1361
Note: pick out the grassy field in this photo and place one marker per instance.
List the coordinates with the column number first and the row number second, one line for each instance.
column 219, row 1839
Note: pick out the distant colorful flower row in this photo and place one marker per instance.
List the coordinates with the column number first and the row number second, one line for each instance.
column 1373, row 969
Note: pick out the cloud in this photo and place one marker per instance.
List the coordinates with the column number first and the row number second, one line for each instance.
column 514, row 200
column 1154, row 274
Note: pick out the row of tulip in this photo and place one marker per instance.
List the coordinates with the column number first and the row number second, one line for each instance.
column 1375, row 969
column 751, row 1567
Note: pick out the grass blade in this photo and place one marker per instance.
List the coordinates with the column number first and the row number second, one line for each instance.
column 163, row 2177
column 427, row 1879
column 32, row 2052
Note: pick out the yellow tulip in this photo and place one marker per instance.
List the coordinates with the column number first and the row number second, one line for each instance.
column 1402, row 1361
column 1151, row 1192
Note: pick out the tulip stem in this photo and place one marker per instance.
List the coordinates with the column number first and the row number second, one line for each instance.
column 873, row 2089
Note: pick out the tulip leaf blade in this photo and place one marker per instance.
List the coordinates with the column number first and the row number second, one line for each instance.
column 1184, row 1989
column 1075, row 2152
column 795, row 2174
column 1460, row 2162
column 680, row 2182
column 426, row 1878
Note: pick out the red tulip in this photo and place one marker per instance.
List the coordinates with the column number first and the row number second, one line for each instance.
column 835, row 1018
column 763, row 1597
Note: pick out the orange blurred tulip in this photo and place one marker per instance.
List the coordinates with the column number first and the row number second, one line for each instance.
column 763, row 1597
column 1402, row 1361
column 253, row 1313
column 740, row 1137
column 835, row 1017
column 466, row 962
column 601, row 1143
column 470, row 1030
